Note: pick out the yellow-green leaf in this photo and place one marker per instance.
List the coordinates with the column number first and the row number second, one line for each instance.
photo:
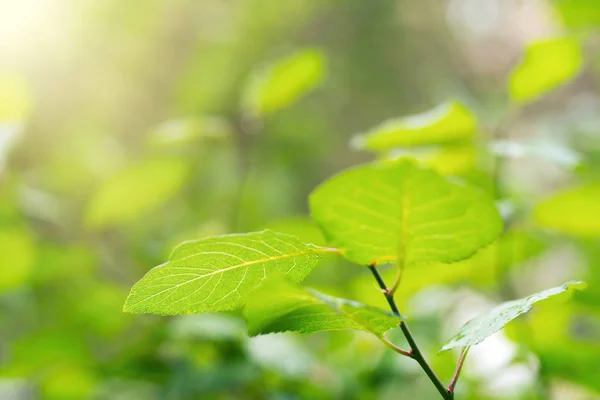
column 401, row 212
column 545, row 65
column 184, row 131
column 217, row 273
column 283, row 82
column 134, row 192
column 280, row 306
column 573, row 211
column 448, row 122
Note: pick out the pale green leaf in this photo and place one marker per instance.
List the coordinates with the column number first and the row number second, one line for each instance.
column 573, row 211
column 478, row 329
column 545, row 65
column 283, row 82
column 448, row 122
column 453, row 159
column 134, row 192
column 399, row 211
column 184, row 131
column 280, row 306
column 217, row 273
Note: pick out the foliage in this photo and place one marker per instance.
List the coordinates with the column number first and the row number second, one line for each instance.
column 316, row 262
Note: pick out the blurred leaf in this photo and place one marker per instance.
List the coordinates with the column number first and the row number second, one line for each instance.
column 398, row 211
column 478, row 329
column 448, row 122
column 539, row 149
column 572, row 211
column 186, row 131
column 18, row 254
column 280, row 306
column 454, row 159
column 217, row 273
column 283, row 82
column 545, row 65
column 579, row 13
column 135, row 192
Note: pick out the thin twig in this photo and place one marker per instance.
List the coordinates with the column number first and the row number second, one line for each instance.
column 397, row 281
column 415, row 352
column 459, row 365
column 397, row 349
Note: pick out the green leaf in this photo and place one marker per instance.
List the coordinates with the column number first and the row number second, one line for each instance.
column 545, row 65
column 217, row 273
column 285, row 81
column 280, row 306
column 572, row 211
column 579, row 13
column 448, row 122
column 478, row 329
column 135, row 192
column 399, row 211
column 454, row 159
column 185, row 131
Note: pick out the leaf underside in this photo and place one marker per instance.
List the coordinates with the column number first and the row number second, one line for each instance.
column 478, row 329
column 280, row 305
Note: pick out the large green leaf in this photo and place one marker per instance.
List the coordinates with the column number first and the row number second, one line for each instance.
column 399, row 211
column 478, row 329
column 134, row 192
column 280, row 306
column 447, row 122
column 572, row 211
column 545, row 65
column 217, row 273
column 283, row 82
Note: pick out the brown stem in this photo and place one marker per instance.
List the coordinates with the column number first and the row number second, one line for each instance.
column 415, row 352
column 459, row 365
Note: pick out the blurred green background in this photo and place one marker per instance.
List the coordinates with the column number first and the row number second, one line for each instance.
column 121, row 135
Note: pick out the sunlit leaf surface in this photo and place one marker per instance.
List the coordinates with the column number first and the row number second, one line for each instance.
column 545, row 66
column 399, row 211
column 478, row 329
column 217, row 273
column 134, row 192
column 280, row 306
column 283, row 82
column 572, row 211
column 447, row 122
